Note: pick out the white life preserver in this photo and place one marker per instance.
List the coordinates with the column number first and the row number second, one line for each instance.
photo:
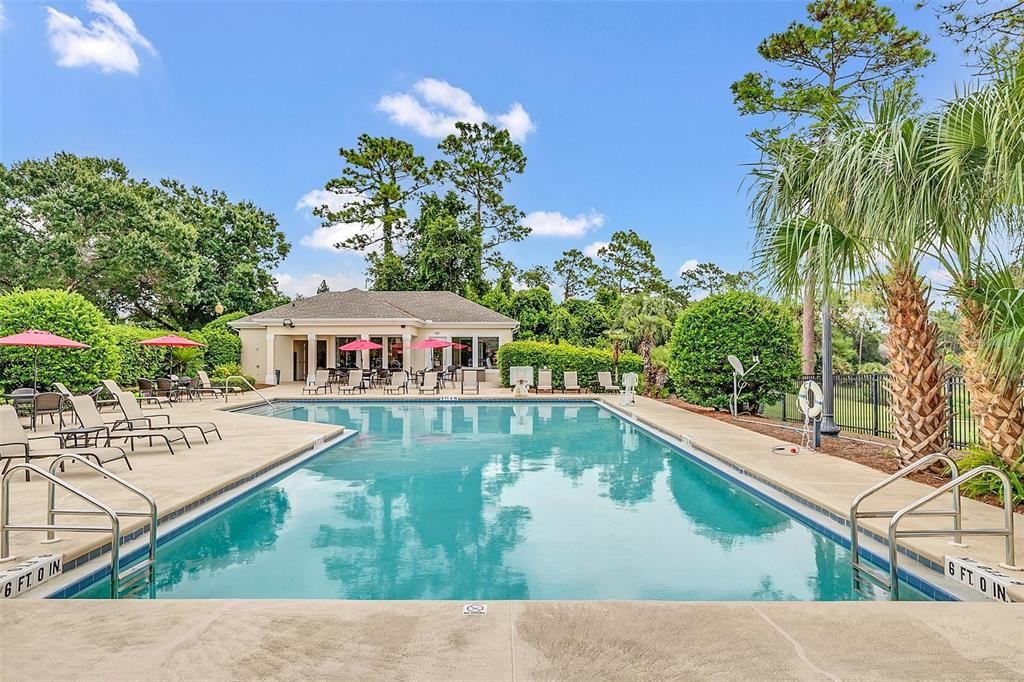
column 810, row 399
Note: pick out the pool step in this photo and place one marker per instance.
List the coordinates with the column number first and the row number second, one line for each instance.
column 135, row 579
column 862, row 572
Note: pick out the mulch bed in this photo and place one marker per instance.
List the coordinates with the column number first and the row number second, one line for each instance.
column 876, row 453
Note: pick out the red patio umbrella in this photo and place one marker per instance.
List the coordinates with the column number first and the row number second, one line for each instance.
column 433, row 343
column 34, row 338
column 171, row 341
column 360, row 344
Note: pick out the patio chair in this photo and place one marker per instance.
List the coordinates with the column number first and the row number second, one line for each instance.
column 605, row 381
column 206, row 386
column 147, row 394
column 321, row 382
column 355, row 382
column 398, row 383
column 135, row 418
column 101, row 402
column 544, row 382
column 15, row 443
column 63, row 390
column 431, row 383
column 470, row 381
column 21, row 398
column 47, row 404
column 92, row 424
column 571, row 382
column 167, row 388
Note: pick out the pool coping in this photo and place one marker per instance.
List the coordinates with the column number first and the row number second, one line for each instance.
column 814, row 516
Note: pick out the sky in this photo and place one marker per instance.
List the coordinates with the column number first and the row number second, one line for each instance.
column 623, row 109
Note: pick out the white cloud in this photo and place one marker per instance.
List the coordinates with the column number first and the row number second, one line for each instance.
column 3, row 16
column 325, row 237
column 109, row 41
column 592, row 248
column 939, row 277
column 689, row 265
column 437, row 105
column 307, row 284
column 554, row 224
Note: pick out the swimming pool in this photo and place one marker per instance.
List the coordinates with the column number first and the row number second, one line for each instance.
column 486, row 501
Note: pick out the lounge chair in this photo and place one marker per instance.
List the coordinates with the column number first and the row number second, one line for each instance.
column 63, row 390
column 605, row 380
column 431, row 383
column 355, row 382
column 14, row 438
column 205, row 387
column 571, row 382
column 47, row 404
column 92, row 423
column 135, row 418
column 544, row 382
column 470, row 381
column 321, row 382
column 399, row 383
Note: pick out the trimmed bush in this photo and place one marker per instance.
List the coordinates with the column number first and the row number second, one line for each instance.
column 562, row 357
column 222, row 372
column 222, row 347
column 149, row 362
column 65, row 314
column 737, row 323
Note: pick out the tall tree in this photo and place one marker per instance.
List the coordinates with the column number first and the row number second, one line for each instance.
column 480, row 159
column 710, row 278
column 991, row 32
column 443, row 254
column 381, row 175
column 824, row 69
column 537, row 277
column 575, row 270
column 323, row 288
column 627, row 265
column 647, row 320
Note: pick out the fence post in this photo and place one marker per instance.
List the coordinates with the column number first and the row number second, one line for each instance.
column 875, row 402
column 951, row 410
column 785, row 399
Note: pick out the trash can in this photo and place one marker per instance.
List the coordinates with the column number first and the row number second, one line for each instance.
column 277, row 377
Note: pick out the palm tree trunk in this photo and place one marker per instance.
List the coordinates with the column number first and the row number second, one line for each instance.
column 807, row 320
column 650, row 378
column 917, row 403
column 996, row 403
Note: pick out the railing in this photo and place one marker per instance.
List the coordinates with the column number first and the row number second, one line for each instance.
column 98, row 509
column 246, row 382
column 862, row 406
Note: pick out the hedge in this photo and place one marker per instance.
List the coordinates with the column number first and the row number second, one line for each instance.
column 562, row 357
column 736, row 323
column 66, row 314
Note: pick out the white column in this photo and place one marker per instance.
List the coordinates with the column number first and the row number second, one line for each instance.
column 476, row 360
column 364, row 359
column 406, row 353
column 310, row 359
column 270, row 377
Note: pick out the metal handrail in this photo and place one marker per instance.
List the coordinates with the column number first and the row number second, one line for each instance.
column 909, row 510
column 6, row 526
column 152, row 514
column 251, row 387
column 927, row 460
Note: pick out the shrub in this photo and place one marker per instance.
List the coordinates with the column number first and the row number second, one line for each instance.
column 65, row 314
column 152, row 361
column 587, row 362
column 223, row 347
column 983, row 486
column 222, row 372
column 873, row 368
column 739, row 323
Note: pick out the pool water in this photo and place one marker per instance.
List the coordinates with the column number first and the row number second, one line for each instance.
column 498, row 501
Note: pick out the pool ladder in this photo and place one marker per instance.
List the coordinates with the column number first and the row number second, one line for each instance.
column 890, row 583
column 126, row 583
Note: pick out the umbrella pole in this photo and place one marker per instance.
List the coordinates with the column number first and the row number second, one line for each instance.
column 35, row 370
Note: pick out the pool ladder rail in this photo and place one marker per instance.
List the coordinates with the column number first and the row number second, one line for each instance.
column 246, row 382
column 891, row 584
column 122, row 583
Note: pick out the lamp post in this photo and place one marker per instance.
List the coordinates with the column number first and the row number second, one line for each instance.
column 219, row 309
column 828, row 422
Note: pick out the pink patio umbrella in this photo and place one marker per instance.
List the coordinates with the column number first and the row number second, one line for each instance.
column 171, row 341
column 36, row 339
column 434, row 343
column 360, row 344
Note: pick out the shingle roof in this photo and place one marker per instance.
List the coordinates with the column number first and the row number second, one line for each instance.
column 437, row 306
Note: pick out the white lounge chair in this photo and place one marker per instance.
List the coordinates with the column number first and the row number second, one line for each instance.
column 544, row 382
column 571, row 382
column 135, row 418
column 15, row 443
column 206, row 386
column 398, row 383
column 94, row 426
column 605, row 379
column 355, row 382
column 470, row 381
column 321, row 382
column 431, row 383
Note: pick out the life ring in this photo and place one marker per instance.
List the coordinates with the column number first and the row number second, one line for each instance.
column 810, row 399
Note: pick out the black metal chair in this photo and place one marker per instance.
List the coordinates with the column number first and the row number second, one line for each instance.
column 47, row 404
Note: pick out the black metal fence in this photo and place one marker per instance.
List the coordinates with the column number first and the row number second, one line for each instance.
column 862, row 406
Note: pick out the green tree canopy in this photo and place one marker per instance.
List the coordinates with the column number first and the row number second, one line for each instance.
column 627, row 265
column 575, row 272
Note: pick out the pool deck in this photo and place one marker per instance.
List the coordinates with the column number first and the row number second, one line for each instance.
column 287, row 640
column 516, row 640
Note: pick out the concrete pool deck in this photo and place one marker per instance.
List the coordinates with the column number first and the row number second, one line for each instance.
column 365, row 640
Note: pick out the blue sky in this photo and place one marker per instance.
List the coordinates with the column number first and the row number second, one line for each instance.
column 624, row 110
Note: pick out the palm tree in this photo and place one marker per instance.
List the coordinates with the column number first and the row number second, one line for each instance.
column 815, row 215
column 617, row 336
column 647, row 321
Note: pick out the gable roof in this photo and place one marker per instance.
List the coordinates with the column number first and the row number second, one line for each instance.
column 406, row 306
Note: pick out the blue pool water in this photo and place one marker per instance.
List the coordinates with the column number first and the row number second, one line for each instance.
column 498, row 501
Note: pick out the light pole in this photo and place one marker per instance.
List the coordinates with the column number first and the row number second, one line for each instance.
column 828, row 422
